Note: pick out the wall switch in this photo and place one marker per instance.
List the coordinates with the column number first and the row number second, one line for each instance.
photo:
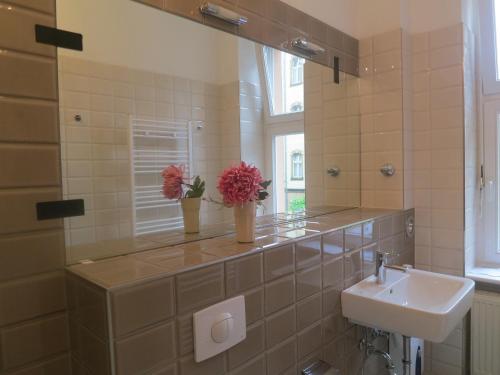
column 219, row 327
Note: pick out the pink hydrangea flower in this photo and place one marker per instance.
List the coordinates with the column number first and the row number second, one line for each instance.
column 173, row 179
column 240, row 184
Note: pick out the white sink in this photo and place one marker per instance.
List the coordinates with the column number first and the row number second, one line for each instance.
column 415, row 303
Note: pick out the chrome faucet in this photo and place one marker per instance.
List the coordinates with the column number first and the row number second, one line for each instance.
column 380, row 263
column 381, row 266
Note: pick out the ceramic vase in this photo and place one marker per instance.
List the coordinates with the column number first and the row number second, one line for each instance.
column 191, row 214
column 244, row 219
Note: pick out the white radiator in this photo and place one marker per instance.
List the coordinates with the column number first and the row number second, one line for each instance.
column 486, row 334
column 154, row 145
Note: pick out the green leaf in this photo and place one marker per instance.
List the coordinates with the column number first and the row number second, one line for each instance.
column 263, row 195
column 196, row 189
column 265, row 184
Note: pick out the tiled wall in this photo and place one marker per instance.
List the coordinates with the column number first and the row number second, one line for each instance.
column 381, row 108
column 332, row 137
column 253, row 145
column 33, row 320
column 272, row 22
column 96, row 150
column 292, row 295
column 438, row 174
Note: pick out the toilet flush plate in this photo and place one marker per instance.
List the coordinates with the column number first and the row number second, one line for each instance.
column 219, row 327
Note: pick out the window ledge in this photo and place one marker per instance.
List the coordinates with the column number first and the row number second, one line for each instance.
column 487, row 275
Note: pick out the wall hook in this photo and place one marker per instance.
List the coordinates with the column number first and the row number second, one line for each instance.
column 388, row 170
column 333, row 171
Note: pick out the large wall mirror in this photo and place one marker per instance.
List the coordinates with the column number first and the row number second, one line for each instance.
column 151, row 89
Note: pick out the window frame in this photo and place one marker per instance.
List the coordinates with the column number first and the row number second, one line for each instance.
column 489, row 253
column 489, row 63
column 293, row 177
column 272, row 117
column 296, row 66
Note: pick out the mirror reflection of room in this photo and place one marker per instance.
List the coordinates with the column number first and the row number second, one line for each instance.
column 138, row 98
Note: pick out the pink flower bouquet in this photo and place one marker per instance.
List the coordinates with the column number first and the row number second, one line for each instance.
column 242, row 184
column 175, row 186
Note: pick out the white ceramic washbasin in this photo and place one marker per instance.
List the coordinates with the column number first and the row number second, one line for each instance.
column 415, row 303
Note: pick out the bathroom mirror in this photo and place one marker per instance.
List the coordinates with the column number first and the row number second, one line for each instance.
column 152, row 89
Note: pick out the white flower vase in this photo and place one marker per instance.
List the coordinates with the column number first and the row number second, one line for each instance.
column 191, row 214
column 244, row 218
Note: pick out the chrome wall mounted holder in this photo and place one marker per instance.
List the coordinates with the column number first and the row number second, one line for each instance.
column 388, row 170
column 333, row 171
column 222, row 13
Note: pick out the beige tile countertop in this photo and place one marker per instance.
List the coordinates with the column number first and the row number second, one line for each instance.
column 112, row 248
column 168, row 260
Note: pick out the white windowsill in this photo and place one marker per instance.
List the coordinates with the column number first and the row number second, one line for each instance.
column 485, row 275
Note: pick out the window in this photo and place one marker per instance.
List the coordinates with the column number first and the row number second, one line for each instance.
column 489, row 251
column 284, row 81
column 297, row 165
column 288, row 172
column 490, row 46
column 296, row 71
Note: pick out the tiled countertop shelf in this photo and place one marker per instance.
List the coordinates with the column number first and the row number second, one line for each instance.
column 169, row 260
column 134, row 313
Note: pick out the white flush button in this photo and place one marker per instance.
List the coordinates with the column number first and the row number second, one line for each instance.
column 222, row 327
column 219, row 327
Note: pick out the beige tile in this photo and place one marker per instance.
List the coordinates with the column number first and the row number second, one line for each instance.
column 309, row 340
column 27, row 254
column 444, row 57
column 353, row 238
column 252, row 367
column 308, row 252
column 387, row 41
column 169, row 370
column 16, row 30
column 199, row 288
column 280, row 326
column 333, row 244
column 211, row 366
column 142, row 305
column 28, row 298
column 334, row 353
column 243, row 274
column 46, row 6
column 185, row 334
column 446, row 37
column 89, row 349
column 278, row 262
column 369, row 260
column 20, row 75
column 279, row 294
column 145, row 350
column 29, row 165
column 117, row 271
column 331, row 299
column 17, row 210
column 28, row 121
column 281, row 357
column 333, row 272
column 333, row 326
column 38, row 339
column 254, row 305
column 57, row 366
column 308, row 282
column 309, row 311
column 248, row 348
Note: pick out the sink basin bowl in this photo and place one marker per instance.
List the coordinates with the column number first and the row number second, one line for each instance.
column 415, row 303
